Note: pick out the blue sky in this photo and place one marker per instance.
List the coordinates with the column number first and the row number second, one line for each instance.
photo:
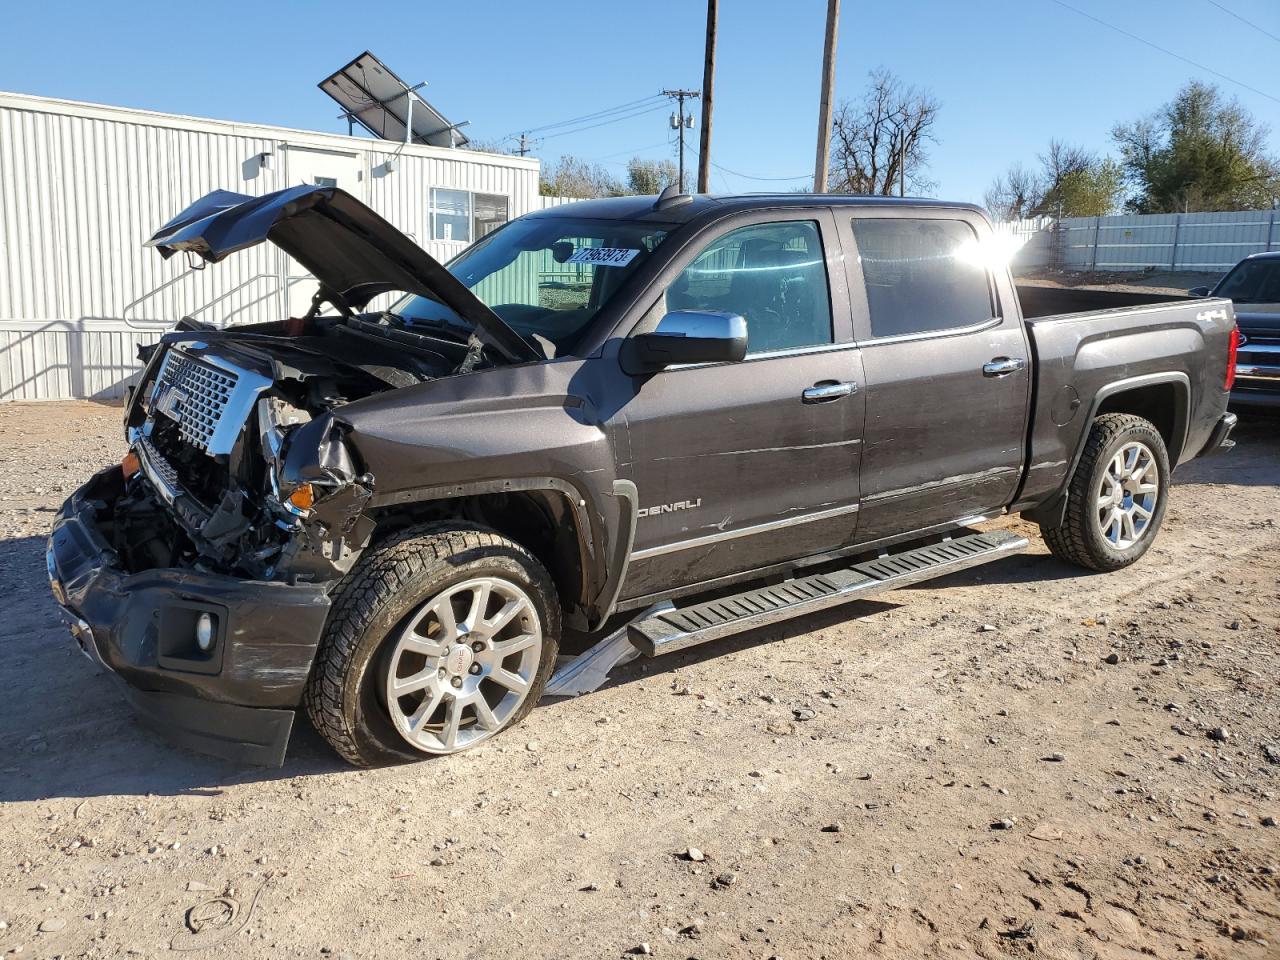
column 1010, row 74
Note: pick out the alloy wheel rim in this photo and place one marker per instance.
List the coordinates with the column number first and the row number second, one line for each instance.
column 1127, row 495
column 463, row 664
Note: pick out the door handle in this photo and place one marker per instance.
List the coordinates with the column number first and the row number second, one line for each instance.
column 826, row 392
column 1003, row 366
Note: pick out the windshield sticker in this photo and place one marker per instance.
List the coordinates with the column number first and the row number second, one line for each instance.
column 603, row 256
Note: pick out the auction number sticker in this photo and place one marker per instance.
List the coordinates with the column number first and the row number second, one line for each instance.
column 603, row 256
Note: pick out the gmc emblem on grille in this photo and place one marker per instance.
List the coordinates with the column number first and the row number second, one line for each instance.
column 170, row 401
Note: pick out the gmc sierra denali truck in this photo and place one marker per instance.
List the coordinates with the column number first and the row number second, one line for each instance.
column 704, row 413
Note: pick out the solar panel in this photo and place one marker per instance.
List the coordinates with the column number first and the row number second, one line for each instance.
column 371, row 94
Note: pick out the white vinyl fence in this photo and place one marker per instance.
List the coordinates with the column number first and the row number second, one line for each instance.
column 1193, row 242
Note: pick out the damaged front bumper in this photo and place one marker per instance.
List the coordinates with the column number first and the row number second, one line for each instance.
column 232, row 696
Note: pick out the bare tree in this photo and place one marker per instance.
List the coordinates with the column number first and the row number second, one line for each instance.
column 1014, row 195
column 879, row 144
column 572, row 177
column 1062, row 160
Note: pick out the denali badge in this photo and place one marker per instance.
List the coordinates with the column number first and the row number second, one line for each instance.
column 669, row 507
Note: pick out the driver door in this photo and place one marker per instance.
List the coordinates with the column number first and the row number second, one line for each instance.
column 742, row 465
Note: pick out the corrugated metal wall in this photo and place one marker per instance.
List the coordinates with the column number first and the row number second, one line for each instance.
column 1195, row 242
column 81, row 188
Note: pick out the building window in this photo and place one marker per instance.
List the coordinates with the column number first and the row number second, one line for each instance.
column 491, row 212
column 450, row 215
column 325, row 181
column 460, row 216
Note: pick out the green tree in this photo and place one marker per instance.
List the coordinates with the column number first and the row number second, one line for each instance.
column 1093, row 190
column 1071, row 182
column 1199, row 152
column 650, row 176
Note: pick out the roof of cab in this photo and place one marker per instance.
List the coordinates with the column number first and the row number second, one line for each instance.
column 642, row 207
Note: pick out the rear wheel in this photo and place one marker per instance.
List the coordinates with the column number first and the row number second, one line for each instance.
column 1117, row 495
column 439, row 638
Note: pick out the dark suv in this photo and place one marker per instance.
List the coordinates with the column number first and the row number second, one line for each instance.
column 1253, row 285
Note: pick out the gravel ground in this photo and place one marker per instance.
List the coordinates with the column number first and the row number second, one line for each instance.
column 1016, row 761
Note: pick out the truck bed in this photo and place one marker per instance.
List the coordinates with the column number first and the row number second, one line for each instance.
column 1172, row 349
column 1045, row 300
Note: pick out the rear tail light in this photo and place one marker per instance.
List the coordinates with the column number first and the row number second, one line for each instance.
column 1232, row 349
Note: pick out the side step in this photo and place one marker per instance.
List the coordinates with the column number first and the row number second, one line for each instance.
column 681, row 627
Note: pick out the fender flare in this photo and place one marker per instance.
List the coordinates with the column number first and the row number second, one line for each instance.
column 1052, row 509
column 605, row 574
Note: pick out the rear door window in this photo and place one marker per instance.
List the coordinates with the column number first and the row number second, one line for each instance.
column 921, row 275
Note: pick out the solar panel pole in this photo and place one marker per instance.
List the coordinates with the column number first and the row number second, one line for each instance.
column 822, row 162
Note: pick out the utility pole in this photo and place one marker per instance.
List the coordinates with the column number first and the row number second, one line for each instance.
column 523, row 148
column 680, row 121
column 708, row 82
column 821, row 164
column 902, row 163
column 902, row 169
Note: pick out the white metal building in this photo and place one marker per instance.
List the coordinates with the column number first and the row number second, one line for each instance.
column 82, row 186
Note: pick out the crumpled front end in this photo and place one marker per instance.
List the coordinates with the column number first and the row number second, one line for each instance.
column 199, row 570
column 238, row 467
column 213, row 662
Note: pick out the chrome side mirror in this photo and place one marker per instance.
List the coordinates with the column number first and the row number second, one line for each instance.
column 687, row 336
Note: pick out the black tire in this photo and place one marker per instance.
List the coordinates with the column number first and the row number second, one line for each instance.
column 344, row 696
column 1078, row 539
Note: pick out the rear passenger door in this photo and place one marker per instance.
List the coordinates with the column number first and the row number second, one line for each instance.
column 947, row 369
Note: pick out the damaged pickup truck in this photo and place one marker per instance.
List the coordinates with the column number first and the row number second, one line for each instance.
column 688, row 416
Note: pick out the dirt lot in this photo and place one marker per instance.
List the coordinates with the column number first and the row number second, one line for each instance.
column 955, row 771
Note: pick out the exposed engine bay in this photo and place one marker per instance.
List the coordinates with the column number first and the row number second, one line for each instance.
column 237, row 463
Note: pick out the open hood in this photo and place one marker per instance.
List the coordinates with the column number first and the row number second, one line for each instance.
column 351, row 250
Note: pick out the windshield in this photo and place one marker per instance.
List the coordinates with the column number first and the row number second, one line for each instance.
column 547, row 278
column 1252, row 281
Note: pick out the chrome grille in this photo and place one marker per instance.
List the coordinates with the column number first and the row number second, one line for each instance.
column 195, row 395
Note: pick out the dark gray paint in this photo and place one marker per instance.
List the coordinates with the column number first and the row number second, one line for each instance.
column 756, row 480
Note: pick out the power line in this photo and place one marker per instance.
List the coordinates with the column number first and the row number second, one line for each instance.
column 1232, row 13
column 596, row 115
column 747, row 176
column 1166, row 51
column 631, row 150
column 602, row 123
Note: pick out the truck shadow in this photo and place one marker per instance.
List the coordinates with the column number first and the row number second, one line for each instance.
column 65, row 729
column 1255, row 461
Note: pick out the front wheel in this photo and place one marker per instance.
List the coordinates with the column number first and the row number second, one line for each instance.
column 1117, row 496
column 439, row 638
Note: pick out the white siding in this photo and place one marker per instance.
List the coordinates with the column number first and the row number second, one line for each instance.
column 82, row 186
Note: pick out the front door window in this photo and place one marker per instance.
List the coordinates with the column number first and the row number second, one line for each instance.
column 773, row 274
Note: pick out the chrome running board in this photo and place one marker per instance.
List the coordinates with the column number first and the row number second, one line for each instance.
column 658, row 632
